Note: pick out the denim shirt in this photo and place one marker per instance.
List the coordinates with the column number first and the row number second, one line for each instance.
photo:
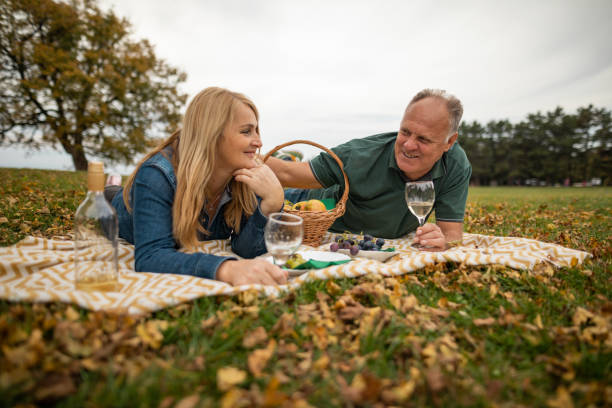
column 149, row 226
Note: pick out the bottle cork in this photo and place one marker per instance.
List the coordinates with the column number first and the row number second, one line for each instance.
column 95, row 176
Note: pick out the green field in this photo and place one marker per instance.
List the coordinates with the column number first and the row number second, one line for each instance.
column 448, row 335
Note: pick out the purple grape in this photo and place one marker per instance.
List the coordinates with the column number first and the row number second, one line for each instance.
column 345, row 245
column 334, row 247
column 338, row 238
column 380, row 242
column 369, row 246
column 354, row 250
column 367, row 237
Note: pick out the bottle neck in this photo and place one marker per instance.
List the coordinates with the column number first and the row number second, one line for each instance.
column 95, row 181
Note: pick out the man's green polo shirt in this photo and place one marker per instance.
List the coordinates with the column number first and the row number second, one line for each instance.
column 376, row 203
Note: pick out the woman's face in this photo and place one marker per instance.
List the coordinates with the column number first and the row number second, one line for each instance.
column 240, row 141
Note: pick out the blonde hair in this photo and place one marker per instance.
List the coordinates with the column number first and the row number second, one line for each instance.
column 195, row 159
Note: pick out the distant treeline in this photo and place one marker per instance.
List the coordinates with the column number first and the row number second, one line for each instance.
column 550, row 148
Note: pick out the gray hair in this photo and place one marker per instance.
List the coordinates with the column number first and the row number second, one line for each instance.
column 453, row 105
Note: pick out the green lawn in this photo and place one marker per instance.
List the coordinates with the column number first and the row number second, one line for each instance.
column 449, row 335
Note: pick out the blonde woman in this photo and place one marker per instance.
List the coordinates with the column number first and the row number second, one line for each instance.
column 204, row 183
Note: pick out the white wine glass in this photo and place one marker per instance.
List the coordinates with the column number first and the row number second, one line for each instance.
column 283, row 236
column 420, row 197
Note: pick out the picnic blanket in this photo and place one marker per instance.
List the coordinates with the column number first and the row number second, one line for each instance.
column 41, row 270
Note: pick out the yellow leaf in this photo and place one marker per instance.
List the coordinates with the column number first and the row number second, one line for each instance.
column 150, row 333
column 574, row 261
column 581, row 316
column 484, row 322
column 322, row 363
column 254, row 337
column 71, row 314
column 538, row 322
column 332, row 287
column 563, row 399
column 229, row 376
column 232, row 398
column 188, row 402
column 3, row 220
column 403, row 391
column 258, row 359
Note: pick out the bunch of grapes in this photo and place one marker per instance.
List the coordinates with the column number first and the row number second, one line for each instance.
column 354, row 245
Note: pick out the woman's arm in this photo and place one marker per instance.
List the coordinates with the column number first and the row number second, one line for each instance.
column 155, row 247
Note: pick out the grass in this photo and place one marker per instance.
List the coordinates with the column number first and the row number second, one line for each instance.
column 448, row 335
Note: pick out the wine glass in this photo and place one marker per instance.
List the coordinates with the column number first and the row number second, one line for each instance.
column 420, row 197
column 283, row 236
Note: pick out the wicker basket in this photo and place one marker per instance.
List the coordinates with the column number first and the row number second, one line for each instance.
column 316, row 223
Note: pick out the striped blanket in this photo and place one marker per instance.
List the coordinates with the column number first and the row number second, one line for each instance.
column 41, row 270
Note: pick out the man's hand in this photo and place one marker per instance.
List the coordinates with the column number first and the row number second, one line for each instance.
column 251, row 271
column 431, row 237
column 263, row 182
column 436, row 237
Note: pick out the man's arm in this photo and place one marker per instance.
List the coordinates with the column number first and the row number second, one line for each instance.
column 293, row 174
column 453, row 231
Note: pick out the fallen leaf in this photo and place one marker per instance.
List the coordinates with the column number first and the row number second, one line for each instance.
column 435, row 379
column 272, row 396
column 484, row 322
column 399, row 394
column 258, row 359
column 322, row 363
column 54, row 386
column 538, row 322
column 188, row 402
column 150, row 332
column 254, row 337
column 3, row 220
column 563, row 399
column 229, row 376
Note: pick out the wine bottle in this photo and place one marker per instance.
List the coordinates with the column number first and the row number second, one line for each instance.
column 95, row 237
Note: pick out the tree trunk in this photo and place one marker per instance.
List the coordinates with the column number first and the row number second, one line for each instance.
column 78, row 159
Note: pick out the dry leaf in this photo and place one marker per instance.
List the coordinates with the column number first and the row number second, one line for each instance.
column 484, row 322
column 254, row 337
column 188, row 402
column 55, row 386
column 258, row 359
column 229, row 376
column 150, row 332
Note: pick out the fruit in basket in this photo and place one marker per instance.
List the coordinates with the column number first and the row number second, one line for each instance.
column 287, row 205
column 310, row 205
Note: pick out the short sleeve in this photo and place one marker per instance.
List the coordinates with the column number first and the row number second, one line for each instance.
column 451, row 199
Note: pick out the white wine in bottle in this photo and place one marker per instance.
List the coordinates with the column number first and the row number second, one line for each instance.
column 95, row 237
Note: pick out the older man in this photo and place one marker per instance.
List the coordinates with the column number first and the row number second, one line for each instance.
column 379, row 166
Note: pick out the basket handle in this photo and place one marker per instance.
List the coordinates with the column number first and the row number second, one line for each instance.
column 332, row 154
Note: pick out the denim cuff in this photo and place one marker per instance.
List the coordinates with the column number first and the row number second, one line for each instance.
column 208, row 265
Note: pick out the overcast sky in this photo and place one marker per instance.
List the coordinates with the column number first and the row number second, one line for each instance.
column 330, row 71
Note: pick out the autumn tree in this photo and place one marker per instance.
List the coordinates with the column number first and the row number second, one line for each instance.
column 71, row 76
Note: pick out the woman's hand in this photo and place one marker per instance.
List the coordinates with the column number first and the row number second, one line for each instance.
column 250, row 271
column 263, row 182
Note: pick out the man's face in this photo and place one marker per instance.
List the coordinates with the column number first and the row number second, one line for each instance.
column 421, row 139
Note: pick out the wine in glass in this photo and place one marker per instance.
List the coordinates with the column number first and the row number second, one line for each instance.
column 420, row 197
column 283, row 236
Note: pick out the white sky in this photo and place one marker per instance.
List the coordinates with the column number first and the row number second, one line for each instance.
column 330, row 71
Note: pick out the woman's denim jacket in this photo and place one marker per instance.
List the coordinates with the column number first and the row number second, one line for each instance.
column 149, row 226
